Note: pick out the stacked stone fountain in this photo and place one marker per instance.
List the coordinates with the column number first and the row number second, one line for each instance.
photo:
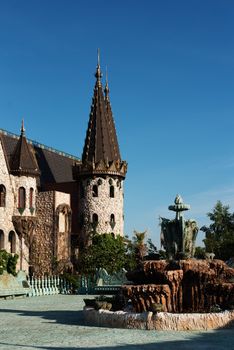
column 180, row 284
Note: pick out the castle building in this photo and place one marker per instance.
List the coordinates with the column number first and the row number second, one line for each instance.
column 50, row 201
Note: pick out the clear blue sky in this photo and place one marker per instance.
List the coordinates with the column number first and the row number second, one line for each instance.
column 171, row 75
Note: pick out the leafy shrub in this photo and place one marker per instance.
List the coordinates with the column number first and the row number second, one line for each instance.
column 8, row 262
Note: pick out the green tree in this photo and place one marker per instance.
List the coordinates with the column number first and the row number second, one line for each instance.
column 219, row 235
column 105, row 251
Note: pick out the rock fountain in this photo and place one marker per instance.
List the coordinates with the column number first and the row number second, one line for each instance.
column 180, row 293
column 181, row 283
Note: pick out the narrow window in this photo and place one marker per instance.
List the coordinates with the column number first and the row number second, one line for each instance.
column 1, row 239
column 95, row 218
column 31, row 195
column 95, row 191
column 112, row 218
column 112, row 221
column 22, row 198
column 112, row 191
column 12, row 241
column 2, row 196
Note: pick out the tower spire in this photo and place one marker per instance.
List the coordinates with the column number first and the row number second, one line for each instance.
column 107, row 90
column 98, row 73
column 22, row 130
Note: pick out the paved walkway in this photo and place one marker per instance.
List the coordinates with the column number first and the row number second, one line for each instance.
column 55, row 323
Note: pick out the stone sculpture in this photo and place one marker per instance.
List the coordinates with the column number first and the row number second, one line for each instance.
column 178, row 236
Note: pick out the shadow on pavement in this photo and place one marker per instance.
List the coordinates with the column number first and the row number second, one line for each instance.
column 65, row 317
column 216, row 340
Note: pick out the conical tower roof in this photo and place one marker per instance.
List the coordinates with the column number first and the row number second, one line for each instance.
column 23, row 161
column 101, row 153
column 101, row 141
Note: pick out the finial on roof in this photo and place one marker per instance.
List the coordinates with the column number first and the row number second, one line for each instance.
column 22, row 127
column 98, row 73
column 98, row 57
column 107, row 90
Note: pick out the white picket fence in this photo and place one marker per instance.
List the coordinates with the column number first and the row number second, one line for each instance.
column 48, row 285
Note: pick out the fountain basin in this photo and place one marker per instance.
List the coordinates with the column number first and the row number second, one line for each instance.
column 161, row 321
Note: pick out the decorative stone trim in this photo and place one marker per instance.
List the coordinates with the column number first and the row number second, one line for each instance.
column 32, row 210
column 21, row 210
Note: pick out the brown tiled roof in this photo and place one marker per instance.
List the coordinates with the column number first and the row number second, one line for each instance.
column 101, row 140
column 23, row 161
column 54, row 166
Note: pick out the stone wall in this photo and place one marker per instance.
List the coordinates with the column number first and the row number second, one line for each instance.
column 51, row 243
column 43, row 243
column 102, row 205
column 161, row 321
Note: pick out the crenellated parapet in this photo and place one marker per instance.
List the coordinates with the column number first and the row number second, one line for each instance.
column 113, row 168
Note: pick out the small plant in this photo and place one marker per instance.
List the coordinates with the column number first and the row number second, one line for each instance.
column 156, row 307
column 215, row 308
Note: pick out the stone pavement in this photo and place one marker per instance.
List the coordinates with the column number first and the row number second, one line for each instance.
column 55, row 323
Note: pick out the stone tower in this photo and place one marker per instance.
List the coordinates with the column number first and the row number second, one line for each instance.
column 25, row 171
column 102, row 171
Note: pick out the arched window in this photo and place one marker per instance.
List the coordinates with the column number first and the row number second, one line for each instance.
column 12, row 241
column 112, row 191
column 95, row 218
column 31, row 197
column 112, row 221
column 22, row 198
column 95, row 191
column 2, row 245
column 2, row 196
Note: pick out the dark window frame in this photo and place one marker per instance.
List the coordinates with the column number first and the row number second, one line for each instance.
column 112, row 191
column 2, row 196
column 21, row 198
